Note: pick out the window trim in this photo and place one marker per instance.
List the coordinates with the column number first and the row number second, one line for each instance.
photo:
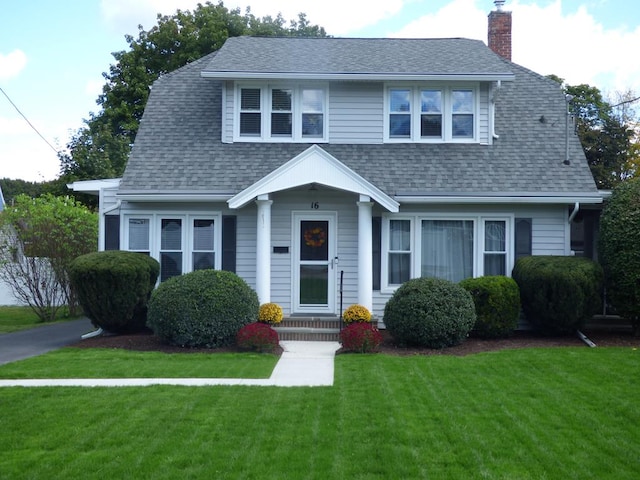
column 479, row 220
column 447, row 112
column 266, row 110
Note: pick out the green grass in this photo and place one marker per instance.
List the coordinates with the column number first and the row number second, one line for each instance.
column 117, row 363
column 14, row 318
column 560, row 413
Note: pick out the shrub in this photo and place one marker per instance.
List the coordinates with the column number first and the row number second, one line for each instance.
column 497, row 301
column 360, row 337
column 258, row 336
column 558, row 294
column 205, row 308
column 619, row 249
column 114, row 287
column 430, row 312
column 356, row 314
column 270, row 313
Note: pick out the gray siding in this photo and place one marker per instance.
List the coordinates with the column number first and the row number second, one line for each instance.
column 356, row 112
column 227, row 111
column 483, row 121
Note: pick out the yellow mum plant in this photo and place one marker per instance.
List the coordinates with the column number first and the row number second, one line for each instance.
column 356, row 314
column 270, row 313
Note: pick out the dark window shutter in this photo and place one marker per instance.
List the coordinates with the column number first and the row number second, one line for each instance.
column 229, row 243
column 376, row 230
column 112, row 232
column 523, row 237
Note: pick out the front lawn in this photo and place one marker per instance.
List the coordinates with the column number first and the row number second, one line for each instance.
column 555, row 413
column 15, row 318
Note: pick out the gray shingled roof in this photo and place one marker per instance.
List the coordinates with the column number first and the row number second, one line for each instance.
column 179, row 148
column 446, row 56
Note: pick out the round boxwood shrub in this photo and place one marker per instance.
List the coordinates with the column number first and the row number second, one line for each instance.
column 619, row 249
column 114, row 287
column 205, row 308
column 558, row 294
column 497, row 301
column 429, row 312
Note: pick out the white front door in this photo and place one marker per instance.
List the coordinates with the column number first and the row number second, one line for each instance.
column 315, row 265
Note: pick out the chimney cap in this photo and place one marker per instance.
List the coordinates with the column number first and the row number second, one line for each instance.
column 499, row 4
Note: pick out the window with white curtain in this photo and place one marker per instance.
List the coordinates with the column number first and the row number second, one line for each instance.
column 138, row 235
column 448, row 248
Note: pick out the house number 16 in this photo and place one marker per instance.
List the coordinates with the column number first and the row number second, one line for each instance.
column 315, row 205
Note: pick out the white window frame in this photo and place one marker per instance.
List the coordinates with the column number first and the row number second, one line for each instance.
column 416, row 219
column 297, row 112
column 447, row 113
column 155, row 231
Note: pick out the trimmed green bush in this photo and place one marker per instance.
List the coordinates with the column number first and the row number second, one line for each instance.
column 558, row 294
column 497, row 301
column 205, row 308
column 619, row 249
column 430, row 312
column 114, row 287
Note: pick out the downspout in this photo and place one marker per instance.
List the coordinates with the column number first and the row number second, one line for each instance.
column 573, row 214
column 494, row 135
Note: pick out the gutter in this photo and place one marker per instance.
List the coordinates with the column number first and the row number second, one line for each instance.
column 573, row 214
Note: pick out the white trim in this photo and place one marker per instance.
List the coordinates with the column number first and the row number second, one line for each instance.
column 487, row 199
column 314, row 165
column 94, row 187
column 471, row 77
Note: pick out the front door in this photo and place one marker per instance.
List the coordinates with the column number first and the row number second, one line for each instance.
column 316, row 262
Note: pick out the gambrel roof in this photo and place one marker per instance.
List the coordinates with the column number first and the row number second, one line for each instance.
column 178, row 149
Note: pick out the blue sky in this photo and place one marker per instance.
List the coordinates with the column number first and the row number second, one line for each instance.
column 52, row 53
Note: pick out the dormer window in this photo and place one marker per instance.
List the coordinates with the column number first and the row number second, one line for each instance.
column 423, row 114
column 281, row 113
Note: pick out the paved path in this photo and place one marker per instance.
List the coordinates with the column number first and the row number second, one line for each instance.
column 39, row 340
column 307, row 364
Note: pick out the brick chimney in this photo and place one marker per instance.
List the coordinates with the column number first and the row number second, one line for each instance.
column 500, row 30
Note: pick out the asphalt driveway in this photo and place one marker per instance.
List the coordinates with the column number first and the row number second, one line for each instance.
column 39, row 340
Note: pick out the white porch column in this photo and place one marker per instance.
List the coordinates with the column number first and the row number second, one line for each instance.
column 263, row 249
column 365, row 252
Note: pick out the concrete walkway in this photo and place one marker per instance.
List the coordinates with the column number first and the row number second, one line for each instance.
column 303, row 364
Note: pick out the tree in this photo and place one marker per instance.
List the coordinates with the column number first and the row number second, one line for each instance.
column 608, row 136
column 38, row 240
column 620, row 249
column 100, row 149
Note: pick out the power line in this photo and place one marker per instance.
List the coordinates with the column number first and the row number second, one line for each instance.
column 27, row 120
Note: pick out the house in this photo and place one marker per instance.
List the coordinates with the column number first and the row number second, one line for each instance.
column 6, row 294
column 328, row 171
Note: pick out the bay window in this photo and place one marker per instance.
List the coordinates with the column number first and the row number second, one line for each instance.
column 281, row 113
column 445, row 247
column 420, row 113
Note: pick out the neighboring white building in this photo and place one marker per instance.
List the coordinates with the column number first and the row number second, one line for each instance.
column 6, row 297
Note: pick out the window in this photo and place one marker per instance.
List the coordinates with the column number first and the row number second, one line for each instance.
column 203, row 255
column 399, row 251
column 448, row 248
column 279, row 113
column 181, row 243
column 431, row 114
column 170, row 248
column 250, row 114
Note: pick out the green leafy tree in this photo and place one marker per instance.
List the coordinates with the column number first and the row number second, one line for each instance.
column 100, row 149
column 38, row 240
column 608, row 136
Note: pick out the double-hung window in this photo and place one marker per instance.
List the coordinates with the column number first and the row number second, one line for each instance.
column 445, row 247
column 431, row 114
column 281, row 113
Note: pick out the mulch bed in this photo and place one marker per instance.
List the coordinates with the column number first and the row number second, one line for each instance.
column 521, row 339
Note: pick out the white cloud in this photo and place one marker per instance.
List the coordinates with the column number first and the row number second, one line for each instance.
column 460, row 18
column 12, row 64
column 93, row 88
column 336, row 16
